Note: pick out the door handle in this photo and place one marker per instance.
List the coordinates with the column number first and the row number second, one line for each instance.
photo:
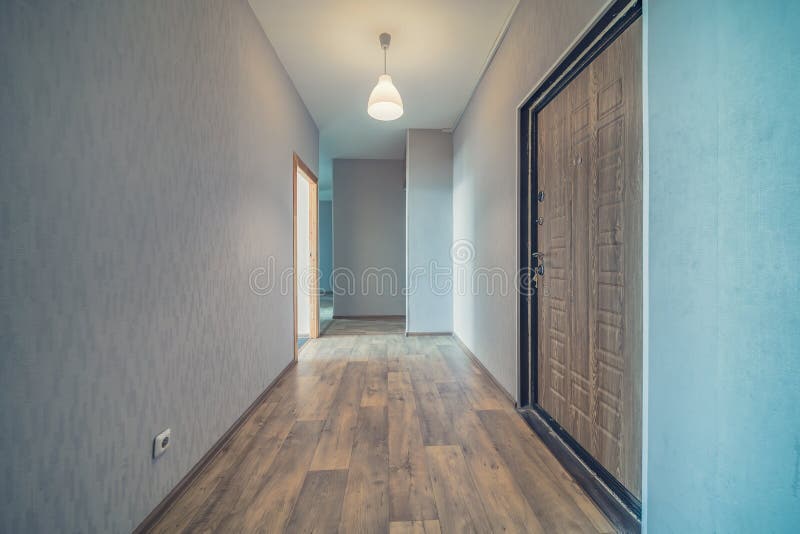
column 539, row 268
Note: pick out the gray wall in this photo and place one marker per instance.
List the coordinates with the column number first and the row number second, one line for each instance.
column 429, row 230
column 325, row 233
column 368, row 237
column 485, row 204
column 145, row 171
column 723, row 423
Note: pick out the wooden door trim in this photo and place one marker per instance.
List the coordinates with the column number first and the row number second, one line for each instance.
column 313, row 218
column 621, row 506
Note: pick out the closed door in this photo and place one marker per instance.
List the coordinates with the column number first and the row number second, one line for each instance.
column 589, row 169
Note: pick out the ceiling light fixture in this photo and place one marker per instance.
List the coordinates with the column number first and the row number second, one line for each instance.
column 385, row 103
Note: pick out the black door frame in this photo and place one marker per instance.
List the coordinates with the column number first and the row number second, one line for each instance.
column 601, row 485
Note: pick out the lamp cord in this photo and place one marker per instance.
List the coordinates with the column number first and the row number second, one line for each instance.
column 384, row 60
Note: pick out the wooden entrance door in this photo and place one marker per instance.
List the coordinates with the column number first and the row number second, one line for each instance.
column 589, row 168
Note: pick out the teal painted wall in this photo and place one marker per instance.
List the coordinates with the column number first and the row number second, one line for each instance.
column 723, row 420
column 325, row 244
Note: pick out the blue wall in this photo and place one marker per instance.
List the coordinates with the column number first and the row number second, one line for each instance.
column 724, row 353
column 325, row 243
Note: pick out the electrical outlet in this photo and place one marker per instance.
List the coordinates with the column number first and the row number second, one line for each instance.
column 161, row 442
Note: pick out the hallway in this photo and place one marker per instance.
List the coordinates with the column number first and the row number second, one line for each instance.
column 562, row 238
column 384, row 433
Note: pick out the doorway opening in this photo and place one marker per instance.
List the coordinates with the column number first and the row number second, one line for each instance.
column 367, row 276
column 306, row 252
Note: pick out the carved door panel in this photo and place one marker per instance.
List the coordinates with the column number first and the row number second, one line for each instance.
column 589, row 167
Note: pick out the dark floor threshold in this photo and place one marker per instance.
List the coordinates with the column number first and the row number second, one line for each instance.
column 625, row 518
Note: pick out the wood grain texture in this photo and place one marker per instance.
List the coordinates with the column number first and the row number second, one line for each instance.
column 491, row 474
column 437, row 428
column 411, row 494
column 506, row 507
column 552, row 495
column 271, row 505
column 590, row 297
column 366, row 501
column 319, row 506
column 415, row 527
column 317, row 406
column 460, row 506
column 366, row 325
column 207, row 490
column 336, row 442
column 375, row 390
column 241, row 481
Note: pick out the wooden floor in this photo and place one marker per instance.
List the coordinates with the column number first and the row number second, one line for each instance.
column 384, row 433
column 366, row 326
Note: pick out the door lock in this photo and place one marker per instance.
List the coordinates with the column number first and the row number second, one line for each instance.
column 540, row 196
column 539, row 268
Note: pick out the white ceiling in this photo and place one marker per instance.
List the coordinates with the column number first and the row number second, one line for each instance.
column 330, row 49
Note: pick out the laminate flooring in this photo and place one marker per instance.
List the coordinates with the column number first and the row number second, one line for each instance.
column 384, row 433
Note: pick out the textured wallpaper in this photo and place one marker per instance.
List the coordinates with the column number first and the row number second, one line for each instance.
column 145, row 170
column 485, row 179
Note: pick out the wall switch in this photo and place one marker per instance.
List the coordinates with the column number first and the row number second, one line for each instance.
column 161, row 442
